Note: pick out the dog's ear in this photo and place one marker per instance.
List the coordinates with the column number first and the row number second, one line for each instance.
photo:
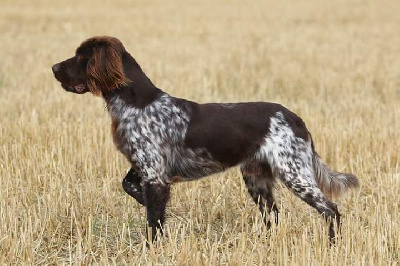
column 105, row 71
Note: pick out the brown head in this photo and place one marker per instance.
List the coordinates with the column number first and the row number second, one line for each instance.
column 96, row 67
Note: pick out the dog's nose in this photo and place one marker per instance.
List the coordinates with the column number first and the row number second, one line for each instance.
column 56, row 68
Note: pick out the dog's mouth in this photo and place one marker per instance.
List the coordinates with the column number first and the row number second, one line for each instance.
column 79, row 88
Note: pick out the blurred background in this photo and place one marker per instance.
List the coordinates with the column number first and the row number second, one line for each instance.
column 335, row 63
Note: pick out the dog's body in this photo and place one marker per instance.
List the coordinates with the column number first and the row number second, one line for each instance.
column 167, row 139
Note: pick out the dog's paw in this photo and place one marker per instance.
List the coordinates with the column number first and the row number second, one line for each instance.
column 134, row 190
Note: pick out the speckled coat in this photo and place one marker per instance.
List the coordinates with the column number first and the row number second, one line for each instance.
column 167, row 139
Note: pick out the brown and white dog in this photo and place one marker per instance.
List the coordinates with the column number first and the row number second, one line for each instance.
column 167, row 139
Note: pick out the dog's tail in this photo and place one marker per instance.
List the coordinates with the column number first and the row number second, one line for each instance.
column 332, row 184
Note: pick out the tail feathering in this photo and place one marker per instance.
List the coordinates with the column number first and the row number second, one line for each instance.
column 333, row 184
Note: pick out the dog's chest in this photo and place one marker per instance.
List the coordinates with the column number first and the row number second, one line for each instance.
column 142, row 134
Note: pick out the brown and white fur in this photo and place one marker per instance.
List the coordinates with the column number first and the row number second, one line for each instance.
column 167, row 139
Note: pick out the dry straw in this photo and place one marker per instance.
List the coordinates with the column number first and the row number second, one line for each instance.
column 335, row 63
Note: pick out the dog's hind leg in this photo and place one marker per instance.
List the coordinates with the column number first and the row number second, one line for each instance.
column 313, row 196
column 297, row 174
column 260, row 184
column 294, row 167
column 291, row 159
column 131, row 185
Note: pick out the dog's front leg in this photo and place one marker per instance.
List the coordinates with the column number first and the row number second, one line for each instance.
column 156, row 196
column 131, row 185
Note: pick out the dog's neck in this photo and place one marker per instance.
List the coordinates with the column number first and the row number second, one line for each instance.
column 140, row 92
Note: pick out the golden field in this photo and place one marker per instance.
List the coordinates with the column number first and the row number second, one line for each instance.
column 335, row 63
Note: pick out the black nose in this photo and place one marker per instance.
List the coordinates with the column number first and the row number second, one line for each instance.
column 56, row 68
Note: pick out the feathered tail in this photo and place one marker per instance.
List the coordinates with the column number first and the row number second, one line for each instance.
column 332, row 184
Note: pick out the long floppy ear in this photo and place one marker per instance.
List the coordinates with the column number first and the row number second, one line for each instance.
column 104, row 70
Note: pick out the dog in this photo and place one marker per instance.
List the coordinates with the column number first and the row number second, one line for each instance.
column 168, row 139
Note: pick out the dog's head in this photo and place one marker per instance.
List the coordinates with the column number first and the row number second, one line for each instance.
column 96, row 67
